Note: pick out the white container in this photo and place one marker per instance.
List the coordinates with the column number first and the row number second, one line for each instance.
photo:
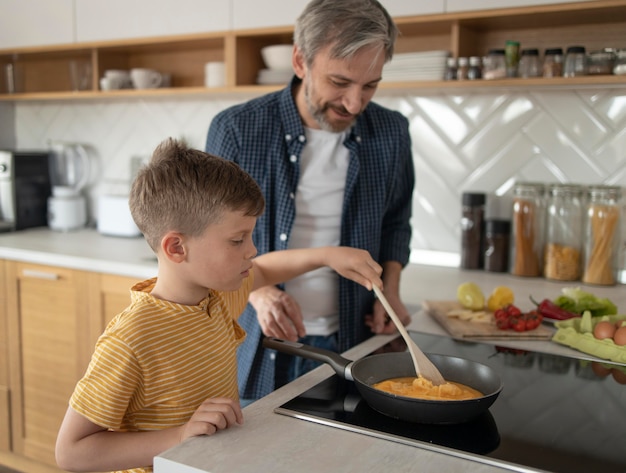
column 277, row 56
column 114, row 218
column 214, row 74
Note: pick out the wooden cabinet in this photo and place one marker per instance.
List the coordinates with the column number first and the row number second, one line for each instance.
column 594, row 24
column 5, row 412
column 102, row 20
column 35, row 22
column 464, row 5
column 55, row 316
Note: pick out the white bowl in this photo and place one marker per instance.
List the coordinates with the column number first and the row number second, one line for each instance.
column 277, row 56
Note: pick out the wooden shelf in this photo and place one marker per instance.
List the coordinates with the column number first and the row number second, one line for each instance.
column 595, row 24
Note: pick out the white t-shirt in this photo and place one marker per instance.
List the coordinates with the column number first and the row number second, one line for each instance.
column 319, row 205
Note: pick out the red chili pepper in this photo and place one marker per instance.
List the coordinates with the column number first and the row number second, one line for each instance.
column 549, row 309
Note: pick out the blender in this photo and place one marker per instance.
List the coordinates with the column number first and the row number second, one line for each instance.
column 70, row 172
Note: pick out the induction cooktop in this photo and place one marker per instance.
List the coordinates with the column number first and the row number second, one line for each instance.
column 554, row 414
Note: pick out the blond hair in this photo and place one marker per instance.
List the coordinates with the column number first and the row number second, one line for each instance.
column 185, row 190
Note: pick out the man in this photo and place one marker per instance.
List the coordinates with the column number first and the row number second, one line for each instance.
column 335, row 169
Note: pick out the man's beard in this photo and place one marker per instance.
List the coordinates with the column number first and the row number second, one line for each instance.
column 319, row 113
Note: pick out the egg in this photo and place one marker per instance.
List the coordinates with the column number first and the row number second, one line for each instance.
column 604, row 330
column 600, row 370
column 620, row 336
column 618, row 375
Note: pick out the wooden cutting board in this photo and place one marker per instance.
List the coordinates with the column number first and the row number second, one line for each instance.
column 465, row 329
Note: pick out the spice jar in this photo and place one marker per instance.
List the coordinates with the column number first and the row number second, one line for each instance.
column 511, row 53
column 497, row 245
column 494, row 65
column 463, row 70
column 529, row 64
column 601, row 62
column 475, row 68
column 602, row 235
column 472, row 230
column 575, row 62
column 450, row 73
column 527, row 229
column 619, row 67
column 563, row 248
column 553, row 62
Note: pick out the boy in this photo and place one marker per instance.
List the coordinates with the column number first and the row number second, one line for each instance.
column 165, row 368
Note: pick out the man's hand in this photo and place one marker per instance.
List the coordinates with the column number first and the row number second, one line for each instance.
column 278, row 313
column 380, row 323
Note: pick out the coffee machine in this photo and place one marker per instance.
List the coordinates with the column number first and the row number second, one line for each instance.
column 24, row 189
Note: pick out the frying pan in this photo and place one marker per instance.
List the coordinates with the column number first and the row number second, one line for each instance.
column 375, row 368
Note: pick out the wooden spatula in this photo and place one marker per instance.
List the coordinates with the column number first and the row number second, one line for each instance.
column 423, row 366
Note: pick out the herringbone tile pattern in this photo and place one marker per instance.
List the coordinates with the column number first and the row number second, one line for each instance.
column 476, row 141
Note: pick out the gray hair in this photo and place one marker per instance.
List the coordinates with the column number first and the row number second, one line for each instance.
column 347, row 25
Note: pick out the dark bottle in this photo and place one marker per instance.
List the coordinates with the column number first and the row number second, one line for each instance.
column 472, row 230
column 497, row 245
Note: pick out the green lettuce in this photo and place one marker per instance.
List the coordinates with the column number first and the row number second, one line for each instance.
column 575, row 300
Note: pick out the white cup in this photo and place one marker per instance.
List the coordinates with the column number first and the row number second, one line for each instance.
column 105, row 83
column 145, row 78
column 214, row 74
column 117, row 79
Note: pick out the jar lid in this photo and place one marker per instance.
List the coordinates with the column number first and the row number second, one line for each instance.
column 530, row 52
column 566, row 188
column 473, row 199
column 576, row 49
column 496, row 52
column 614, row 192
column 501, row 227
column 554, row 51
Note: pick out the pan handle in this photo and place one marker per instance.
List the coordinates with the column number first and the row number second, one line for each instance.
column 340, row 364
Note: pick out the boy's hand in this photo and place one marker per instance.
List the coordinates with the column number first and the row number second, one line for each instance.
column 355, row 264
column 278, row 313
column 212, row 415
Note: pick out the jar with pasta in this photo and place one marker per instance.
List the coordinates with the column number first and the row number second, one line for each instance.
column 602, row 235
column 527, row 229
column 563, row 248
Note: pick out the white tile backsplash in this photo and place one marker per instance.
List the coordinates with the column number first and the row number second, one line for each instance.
column 477, row 141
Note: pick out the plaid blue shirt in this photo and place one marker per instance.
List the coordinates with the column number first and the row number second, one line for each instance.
column 265, row 136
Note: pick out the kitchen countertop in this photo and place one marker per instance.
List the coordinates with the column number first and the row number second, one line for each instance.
column 277, row 443
column 270, row 442
column 83, row 249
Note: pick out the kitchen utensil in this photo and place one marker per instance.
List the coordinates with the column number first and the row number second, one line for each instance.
column 277, row 56
column 375, row 368
column 70, row 171
column 145, row 78
column 423, row 366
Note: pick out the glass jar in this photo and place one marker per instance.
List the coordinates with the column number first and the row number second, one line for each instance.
column 601, row 62
column 553, row 62
column 494, row 65
column 511, row 54
column 529, row 64
column 602, row 235
column 575, row 62
column 497, row 245
column 619, row 67
column 527, row 229
column 463, row 69
column 475, row 68
column 563, row 248
column 450, row 73
column 472, row 230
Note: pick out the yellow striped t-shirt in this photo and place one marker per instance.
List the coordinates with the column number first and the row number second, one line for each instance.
column 157, row 361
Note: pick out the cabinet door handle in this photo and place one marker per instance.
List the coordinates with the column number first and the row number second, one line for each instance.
column 33, row 273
